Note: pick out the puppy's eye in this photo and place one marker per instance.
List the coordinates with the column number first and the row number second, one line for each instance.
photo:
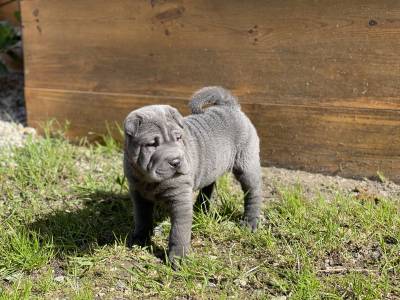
column 179, row 138
column 152, row 144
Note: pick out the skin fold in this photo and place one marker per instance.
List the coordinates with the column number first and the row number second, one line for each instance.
column 167, row 157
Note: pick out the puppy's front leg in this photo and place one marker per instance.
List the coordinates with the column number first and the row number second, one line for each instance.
column 181, row 210
column 143, row 214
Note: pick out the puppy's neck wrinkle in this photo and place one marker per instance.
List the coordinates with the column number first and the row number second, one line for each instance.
column 165, row 190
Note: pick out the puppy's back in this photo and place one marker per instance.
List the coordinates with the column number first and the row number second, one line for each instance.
column 218, row 133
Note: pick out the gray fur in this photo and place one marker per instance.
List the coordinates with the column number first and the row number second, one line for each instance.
column 189, row 154
column 212, row 95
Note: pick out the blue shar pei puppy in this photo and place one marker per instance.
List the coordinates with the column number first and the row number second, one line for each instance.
column 167, row 157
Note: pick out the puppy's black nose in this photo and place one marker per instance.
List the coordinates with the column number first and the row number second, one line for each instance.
column 175, row 163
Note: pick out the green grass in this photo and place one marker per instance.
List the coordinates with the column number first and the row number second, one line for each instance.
column 65, row 214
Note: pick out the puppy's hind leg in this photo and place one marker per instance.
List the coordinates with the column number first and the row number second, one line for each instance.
column 249, row 177
column 203, row 199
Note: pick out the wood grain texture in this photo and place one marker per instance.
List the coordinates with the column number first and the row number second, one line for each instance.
column 320, row 79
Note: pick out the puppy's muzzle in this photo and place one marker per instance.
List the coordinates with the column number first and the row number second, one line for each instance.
column 166, row 161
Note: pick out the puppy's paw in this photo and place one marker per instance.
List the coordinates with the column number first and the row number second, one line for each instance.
column 138, row 240
column 250, row 224
column 174, row 261
column 176, row 254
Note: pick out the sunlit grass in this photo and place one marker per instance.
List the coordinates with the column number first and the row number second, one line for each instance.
column 65, row 214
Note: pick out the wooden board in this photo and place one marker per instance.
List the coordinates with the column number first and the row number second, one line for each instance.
column 320, row 79
column 8, row 10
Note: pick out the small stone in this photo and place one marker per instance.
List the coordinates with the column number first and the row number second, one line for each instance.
column 59, row 278
column 376, row 255
column 120, row 285
column 241, row 282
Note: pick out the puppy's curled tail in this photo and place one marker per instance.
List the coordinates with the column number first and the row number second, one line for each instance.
column 212, row 95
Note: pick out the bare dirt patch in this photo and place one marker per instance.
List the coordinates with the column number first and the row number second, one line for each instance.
column 315, row 185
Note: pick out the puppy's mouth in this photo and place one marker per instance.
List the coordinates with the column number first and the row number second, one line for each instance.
column 169, row 172
column 164, row 171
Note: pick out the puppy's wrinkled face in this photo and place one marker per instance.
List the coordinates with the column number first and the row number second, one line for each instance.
column 154, row 142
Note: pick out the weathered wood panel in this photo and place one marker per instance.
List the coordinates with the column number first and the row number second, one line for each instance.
column 320, row 79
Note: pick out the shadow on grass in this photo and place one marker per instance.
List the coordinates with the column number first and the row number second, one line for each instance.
column 103, row 218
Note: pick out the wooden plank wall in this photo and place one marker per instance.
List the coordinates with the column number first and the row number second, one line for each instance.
column 320, row 79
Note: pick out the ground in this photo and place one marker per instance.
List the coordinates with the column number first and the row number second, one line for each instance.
column 65, row 214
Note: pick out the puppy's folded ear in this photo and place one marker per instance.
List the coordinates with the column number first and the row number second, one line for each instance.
column 176, row 116
column 132, row 124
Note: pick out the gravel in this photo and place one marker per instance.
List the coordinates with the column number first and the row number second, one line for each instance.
column 13, row 134
column 12, row 112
